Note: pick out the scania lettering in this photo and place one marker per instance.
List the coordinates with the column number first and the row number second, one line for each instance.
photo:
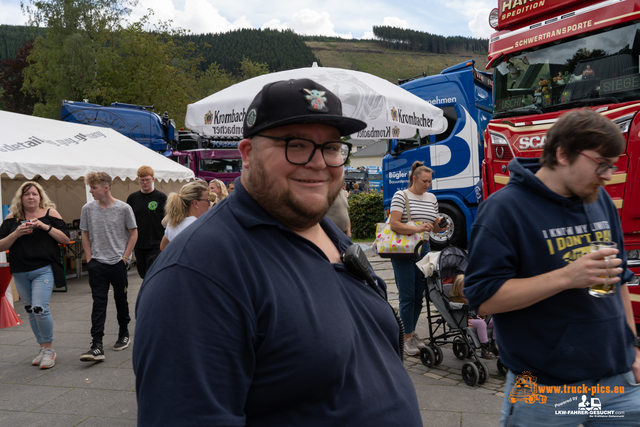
column 550, row 57
column 464, row 94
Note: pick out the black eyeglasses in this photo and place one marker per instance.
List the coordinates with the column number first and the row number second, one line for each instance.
column 602, row 167
column 300, row 151
column 205, row 200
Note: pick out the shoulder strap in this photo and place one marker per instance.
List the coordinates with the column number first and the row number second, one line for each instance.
column 406, row 204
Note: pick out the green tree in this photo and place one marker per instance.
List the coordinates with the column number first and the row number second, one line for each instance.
column 250, row 69
column 211, row 81
column 66, row 64
column 12, row 97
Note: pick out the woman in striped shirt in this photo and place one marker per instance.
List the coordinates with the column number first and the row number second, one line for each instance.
column 409, row 279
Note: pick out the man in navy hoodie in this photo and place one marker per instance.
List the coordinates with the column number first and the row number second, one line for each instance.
column 530, row 265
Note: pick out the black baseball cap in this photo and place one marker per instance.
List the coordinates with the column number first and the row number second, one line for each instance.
column 292, row 102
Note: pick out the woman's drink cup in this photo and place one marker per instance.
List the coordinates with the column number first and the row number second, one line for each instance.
column 606, row 289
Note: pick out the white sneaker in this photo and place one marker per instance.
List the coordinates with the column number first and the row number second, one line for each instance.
column 417, row 340
column 49, row 359
column 410, row 348
column 38, row 359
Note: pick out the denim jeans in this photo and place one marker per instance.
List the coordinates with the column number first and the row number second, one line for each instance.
column 100, row 277
column 588, row 402
column 410, row 284
column 35, row 289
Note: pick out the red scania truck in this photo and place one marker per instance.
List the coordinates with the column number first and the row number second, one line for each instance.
column 551, row 56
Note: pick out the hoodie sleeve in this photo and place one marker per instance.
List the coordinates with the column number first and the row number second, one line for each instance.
column 492, row 253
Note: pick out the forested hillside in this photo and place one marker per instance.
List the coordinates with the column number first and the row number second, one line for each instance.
column 280, row 50
column 12, row 37
column 419, row 41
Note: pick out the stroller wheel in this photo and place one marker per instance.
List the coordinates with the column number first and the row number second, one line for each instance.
column 438, row 353
column 502, row 370
column 427, row 357
column 470, row 374
column 460, row 348
column 483, row 372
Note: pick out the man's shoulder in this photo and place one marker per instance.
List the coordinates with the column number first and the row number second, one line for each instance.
column 120, row 205
column 89, row 205
column 134, row 195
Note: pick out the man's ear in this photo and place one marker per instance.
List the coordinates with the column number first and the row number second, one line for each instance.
column 562, row 157
column 246, row 147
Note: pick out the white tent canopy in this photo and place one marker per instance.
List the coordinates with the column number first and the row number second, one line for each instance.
column 388, row 110
column 59, row 154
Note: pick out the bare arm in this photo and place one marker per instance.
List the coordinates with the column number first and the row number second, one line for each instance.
column 58, row 235
column 516, row 294
column 133, row 237
column 86, row 244
column 163, row 243
column 395, row 223
column 7, row 242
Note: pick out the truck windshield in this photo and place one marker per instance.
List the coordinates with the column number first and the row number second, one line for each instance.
column 594, row 69
column 355, row 175
column 375, row 177
column 221, row 165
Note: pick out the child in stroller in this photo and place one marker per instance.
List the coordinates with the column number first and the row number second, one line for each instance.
column 478, row 323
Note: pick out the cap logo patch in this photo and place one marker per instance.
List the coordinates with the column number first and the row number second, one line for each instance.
column 251, row 118
column 316, row 100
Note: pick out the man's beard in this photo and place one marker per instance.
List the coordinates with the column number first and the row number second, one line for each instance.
column 282, row 205
column 590, row 198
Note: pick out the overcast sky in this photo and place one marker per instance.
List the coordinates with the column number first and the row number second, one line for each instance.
column 338, row 18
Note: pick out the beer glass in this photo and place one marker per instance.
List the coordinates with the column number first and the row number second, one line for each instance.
column 605, row 289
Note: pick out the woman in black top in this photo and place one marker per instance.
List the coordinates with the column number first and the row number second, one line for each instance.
column 31, row 232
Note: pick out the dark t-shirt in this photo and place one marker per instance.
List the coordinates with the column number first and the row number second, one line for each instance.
column 149, row 211
column 36, row 250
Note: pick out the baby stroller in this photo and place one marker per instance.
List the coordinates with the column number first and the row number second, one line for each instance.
column 450, row 326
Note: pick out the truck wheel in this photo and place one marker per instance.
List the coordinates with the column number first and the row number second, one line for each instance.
column 456, row 235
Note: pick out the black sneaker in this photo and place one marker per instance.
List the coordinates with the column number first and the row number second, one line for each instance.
column 122, row 343
column 96, row 354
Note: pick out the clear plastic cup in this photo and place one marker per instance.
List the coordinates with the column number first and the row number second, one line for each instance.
column 606, row 289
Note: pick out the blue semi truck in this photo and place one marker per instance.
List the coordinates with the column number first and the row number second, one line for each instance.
column 465, row 96
column 137, row 122
column 207, row 159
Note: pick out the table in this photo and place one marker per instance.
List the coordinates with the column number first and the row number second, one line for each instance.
column 75, row 247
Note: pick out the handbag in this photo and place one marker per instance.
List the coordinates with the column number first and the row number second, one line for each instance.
column 390, row 244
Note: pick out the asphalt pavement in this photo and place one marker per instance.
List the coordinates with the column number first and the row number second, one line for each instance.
column 75, row 393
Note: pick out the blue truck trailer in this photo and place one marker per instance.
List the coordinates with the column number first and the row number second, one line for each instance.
column 137, row 122
column 465, row 96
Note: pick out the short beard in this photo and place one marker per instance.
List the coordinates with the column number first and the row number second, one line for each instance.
column 282, row 206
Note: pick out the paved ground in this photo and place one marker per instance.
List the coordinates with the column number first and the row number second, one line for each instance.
column 75, row 393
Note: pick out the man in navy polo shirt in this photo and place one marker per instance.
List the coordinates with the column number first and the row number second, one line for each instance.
column 250, row 317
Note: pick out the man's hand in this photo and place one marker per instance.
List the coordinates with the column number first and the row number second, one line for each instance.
column 636, row 365
column 591, row 268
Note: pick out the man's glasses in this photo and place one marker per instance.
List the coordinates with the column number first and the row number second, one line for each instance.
column 300, row 151
column 602, row 167
column 145, row 180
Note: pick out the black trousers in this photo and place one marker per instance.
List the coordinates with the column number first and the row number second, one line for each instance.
column 144, row 259
column 100, row 277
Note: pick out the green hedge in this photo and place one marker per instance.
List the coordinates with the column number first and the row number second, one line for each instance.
column 365, row 211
